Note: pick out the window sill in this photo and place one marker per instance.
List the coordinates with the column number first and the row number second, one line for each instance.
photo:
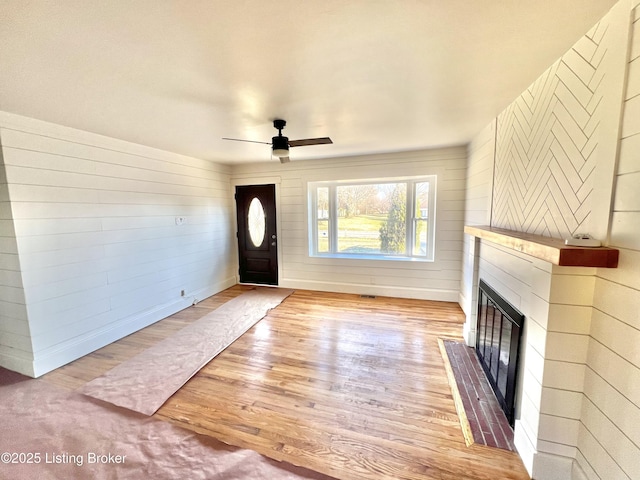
column 386, row 258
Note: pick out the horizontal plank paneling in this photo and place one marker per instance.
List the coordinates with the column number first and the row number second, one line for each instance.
column 40, row 193
column 627, row 196
column 619, row 302
column 627, row 272
column 609, row 441
column 556, row 302
column 16, row 350
column 629, row 152
column 607, row 433
column 631, row 119
column 296, row 265
column 613, row 405
column 591, row 402
column 95, row 225
column 32, row 176
column 477, row 211
column 69, row 143
column 624, row 231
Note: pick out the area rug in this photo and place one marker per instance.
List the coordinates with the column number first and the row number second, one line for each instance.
column 51, row 433
column 146, row 381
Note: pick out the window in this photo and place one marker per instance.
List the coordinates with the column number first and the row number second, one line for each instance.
column 386, row 219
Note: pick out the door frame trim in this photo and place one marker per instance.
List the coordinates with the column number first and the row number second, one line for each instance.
column 245, row 182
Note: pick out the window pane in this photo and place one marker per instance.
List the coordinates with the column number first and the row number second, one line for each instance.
column 361, row 218
column 256, row 222
column 422, row 200
column 372, row 218
column 323, row 236
column 393, row 232
column 323, row 202
column 420, row 238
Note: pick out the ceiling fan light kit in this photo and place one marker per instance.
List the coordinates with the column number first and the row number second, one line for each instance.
column 280, row 152
column 280, row 144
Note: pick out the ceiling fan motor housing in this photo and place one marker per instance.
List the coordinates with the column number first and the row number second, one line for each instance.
column 280, row 143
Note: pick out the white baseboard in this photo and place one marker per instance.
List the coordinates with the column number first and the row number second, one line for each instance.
column 61, row 354
column 547, row 466
column 17, row 364
column 544, row 466
column 378, row 290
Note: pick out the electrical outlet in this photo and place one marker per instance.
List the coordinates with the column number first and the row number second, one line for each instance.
column 182, row 293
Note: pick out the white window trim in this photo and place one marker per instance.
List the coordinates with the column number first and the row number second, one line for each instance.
column 410, row 219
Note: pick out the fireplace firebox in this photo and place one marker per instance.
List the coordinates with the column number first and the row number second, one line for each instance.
column 499, row 329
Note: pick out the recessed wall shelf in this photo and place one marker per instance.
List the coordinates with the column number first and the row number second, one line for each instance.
column 552, row 250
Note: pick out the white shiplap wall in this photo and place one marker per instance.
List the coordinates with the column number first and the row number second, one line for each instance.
column 579, row 400
column 438, row 280
column 518, row 278
column 556, row 302
column 555, row 152
column 478, row 200
column 15, row 341
column 101, row 253
column 609, row 436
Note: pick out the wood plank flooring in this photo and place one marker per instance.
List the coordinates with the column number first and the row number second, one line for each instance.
column 351, row 387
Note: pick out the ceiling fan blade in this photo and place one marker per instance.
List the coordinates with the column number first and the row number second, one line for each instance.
column 241, row 140
column 309, row 141
column 285, row 159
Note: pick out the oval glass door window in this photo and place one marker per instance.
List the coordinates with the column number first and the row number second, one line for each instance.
column 256, row 222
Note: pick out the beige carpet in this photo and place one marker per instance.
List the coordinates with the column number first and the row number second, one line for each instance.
column 146, row 381
column 50, row 433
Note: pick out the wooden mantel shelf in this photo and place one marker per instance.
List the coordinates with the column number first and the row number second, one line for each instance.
column 552, row 250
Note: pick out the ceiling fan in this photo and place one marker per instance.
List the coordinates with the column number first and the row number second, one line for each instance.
column 280, row 144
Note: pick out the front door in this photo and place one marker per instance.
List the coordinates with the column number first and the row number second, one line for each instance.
column 257, row 240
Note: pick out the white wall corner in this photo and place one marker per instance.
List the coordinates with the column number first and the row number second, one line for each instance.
column 547, row 466
column 544, row 466
column 463, row 302
column 524, row 447
column 577, row 473
column 469, row 331
column 610, row 128
column 470, row 277
column 17, row 364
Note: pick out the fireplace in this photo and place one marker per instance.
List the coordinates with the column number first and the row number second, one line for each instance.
column 498, row 335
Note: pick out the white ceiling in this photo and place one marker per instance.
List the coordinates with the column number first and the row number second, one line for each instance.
column 374, row 75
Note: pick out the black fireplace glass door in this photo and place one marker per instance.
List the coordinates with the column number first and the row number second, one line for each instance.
column 505, row 353
column 482, row 324
column 495, row 344
column 498, row 332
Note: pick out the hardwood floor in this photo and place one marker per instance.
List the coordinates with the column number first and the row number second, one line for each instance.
column 348, row 386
